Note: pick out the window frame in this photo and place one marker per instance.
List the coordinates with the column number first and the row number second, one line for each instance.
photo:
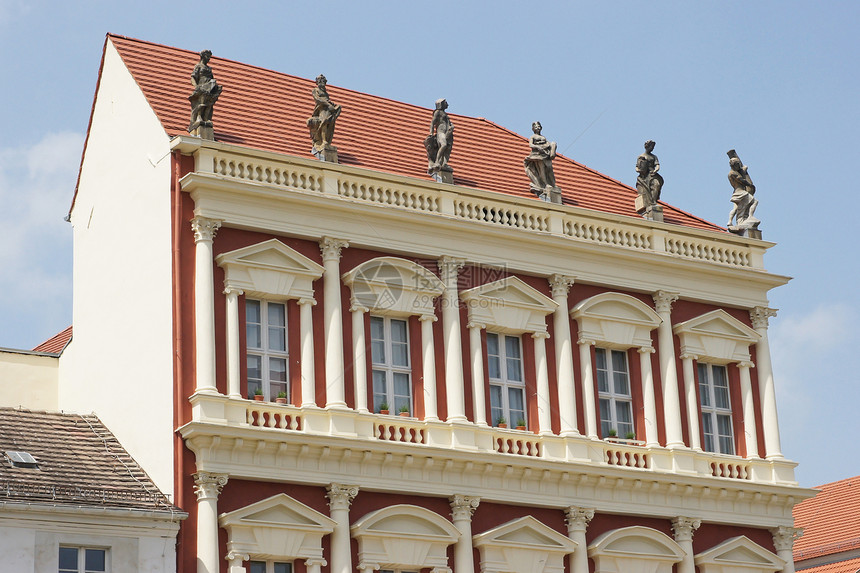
column 613, row 397
column 270, row 564
column 387, row 367
column 714, row 412
column 266, row 354
column 505, row 383
column 81, row 558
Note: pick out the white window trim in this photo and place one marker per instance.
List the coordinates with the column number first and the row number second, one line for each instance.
column 265, row 353
column 613, row 397
column 713, row 411
column 389, row 368
column 82, row 556
column 504, row 382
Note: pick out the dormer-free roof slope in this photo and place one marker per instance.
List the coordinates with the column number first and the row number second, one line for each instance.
column 268, row 110
column 830, row 520
column 57, row 343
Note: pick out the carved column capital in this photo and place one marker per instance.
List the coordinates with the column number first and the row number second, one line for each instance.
column 311, row 561
column 340, row 496
column 582, row 341
column 646, row 350
column 663, row 300
column 541, row 334
column 463, row 506
column 759, row 316
column 356, row 306
column 683, row 527
column 560, row 285
column 577, row 518
column 208, row 485
column 688, row 356
column 477, row 325
column 450, row 267
column 331, row 248
column 204, row 229
column 746, row 364
column 228, row 290
column 428, row 317
column 237, row 556
column 784, row 537
column 304, row 301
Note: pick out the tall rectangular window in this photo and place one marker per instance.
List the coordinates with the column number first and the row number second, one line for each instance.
column 83, row 560
column 716, row 409
column 269, row 567
column 389, row 350
column 266, row 341
column 507, row 384
column 613, row 388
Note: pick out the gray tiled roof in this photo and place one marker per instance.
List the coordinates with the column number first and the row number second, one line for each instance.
column 80, row 463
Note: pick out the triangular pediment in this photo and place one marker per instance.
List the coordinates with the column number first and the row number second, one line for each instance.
column 511, row 291
column 272, row 255
column 718, row 324
column 639, row 541
column 280, row 511
column 617, row 307
column 525, row 531
column 740, row 551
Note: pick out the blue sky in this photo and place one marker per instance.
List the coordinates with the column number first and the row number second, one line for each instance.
column 775, row 80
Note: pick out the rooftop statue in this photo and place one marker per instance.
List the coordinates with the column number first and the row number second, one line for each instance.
column 741, row 219
column 203, row 98
column 538, row 166
column 648, row 184
column 439, row 144
column 321, row 123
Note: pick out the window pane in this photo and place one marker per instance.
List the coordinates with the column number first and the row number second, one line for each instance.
column 606, row 414
column 721, row 397
column 494, row 367
column 492, row 343
column 255, row 367
column 94, row 560
column 277, row 370
column 283, row 568
column 619, row 361
column 496, row 410
column 277, row 316
column 622, row 387
column 399, row 354
column 68, row 559
column 252, row 311
column 377, row 328
column 515, row 400
column 253, row 331
column 512, row 347
column 724, row 425
column 401, row 401
column 708, row 430
column 622, row 412
column 257, row 567
column 600, row 358
column 252, row 388
column 379, row 385
column 377, row 351
column 401, row 384
column 515, row 370
column 705, row 395
column 398, row 331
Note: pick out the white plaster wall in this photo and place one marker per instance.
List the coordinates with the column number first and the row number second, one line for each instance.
column 17, row 549
column 120, row 362
column 28, row 381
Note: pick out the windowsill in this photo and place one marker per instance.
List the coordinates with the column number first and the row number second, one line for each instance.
column 625, row 442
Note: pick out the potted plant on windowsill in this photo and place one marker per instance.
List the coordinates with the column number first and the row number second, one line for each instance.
column 521, row 424
column 282, row 398
column 383, row 408
column 630, row 436
column 613, row 434
column 404, row 411
column 258, row 394
column 501, row 422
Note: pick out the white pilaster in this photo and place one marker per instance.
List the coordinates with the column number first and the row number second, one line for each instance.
column 208, row 486
column 692, row 402
column 204, row 303
column 450, row 268
column 462, row 509
column 648, row 397
column 783, row 541
column 577, row 519
column 334, row 380
column 306, row 333
column 542, row 377
column 340, row 498
column 683, row 527
column 476, row 349
column 428, row 352
column 564, row 356
column 589, row 410
column 233, row 350
column 359, row 355
column 750, row 433
column 665, row 338
column 759, row 316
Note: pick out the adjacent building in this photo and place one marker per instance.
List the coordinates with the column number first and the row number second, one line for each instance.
column 831, row 529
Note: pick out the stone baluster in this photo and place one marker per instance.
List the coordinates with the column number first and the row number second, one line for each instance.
column 208, row 486
column 476, row 348
column 204, row 303
column 359, row 354
column 340, row 498
column 665, row 338
column 462, row 509
column 648, row 396
column 334, row 380
column 428, row 353
column 542, row 377
column 683, row 528
column 759, row 316
column 233, row 351
column 750, row 432
column 450, row 268
column 306, row 333
column 589, row 409
column 564, row 356
column 783, row 541
column 692, row 401
column 577, row 519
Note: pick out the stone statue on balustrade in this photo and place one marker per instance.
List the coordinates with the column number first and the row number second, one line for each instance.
column 741, row 218
column 203, row 98
column 439, row 143
column 648, row 184
column 322, row 121
column 538, row 165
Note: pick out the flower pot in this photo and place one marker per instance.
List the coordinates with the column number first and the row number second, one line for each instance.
column 258, row 397
column 404, row 414
column 521, row 427
column 383, row 412
column 503, row 425
column 281, row 400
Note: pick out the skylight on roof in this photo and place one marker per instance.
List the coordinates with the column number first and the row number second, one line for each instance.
column 22, row 460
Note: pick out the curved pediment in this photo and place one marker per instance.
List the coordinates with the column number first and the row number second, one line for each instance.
column 269, row 269
column 636, row 542
column 395, row 286
column 509, row 306
column 716, row 336
column 524, row 545
column 616, row 320
column 738, row 554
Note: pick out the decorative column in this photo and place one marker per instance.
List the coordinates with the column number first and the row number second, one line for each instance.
column 650, row 402
column 204, row 303
column 359, row 354
column 759, row 316
column 340, row 498
column 450, row 268
column 334, row 382
column 233, row 350
column 671, row 403
column 692, row 402
column 462, row 509
column 542, row 377
column 577, row 519
column 750, row 433
column 587, row 369
column 306, row 333
column 234, row 562
column 477, row 353
column 783, row 540
column 564, row 356
column 207, row 486
column 428, row 353
column 683, row 527
column 314, row 565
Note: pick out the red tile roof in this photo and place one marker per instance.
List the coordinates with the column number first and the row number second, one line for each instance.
column 267, row 110
column 57, row 343
column 848, row 566
column 80, row 462
column 830, row 520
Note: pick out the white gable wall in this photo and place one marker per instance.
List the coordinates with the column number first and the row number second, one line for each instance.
column 119, row 364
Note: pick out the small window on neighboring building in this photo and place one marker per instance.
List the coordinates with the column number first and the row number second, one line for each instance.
column 389, row 350
column 507, row 384
column 716, row 409
column 269, row 567
column 613, row 387
column 83, row 560
column 267, row 356
column 21, row 460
